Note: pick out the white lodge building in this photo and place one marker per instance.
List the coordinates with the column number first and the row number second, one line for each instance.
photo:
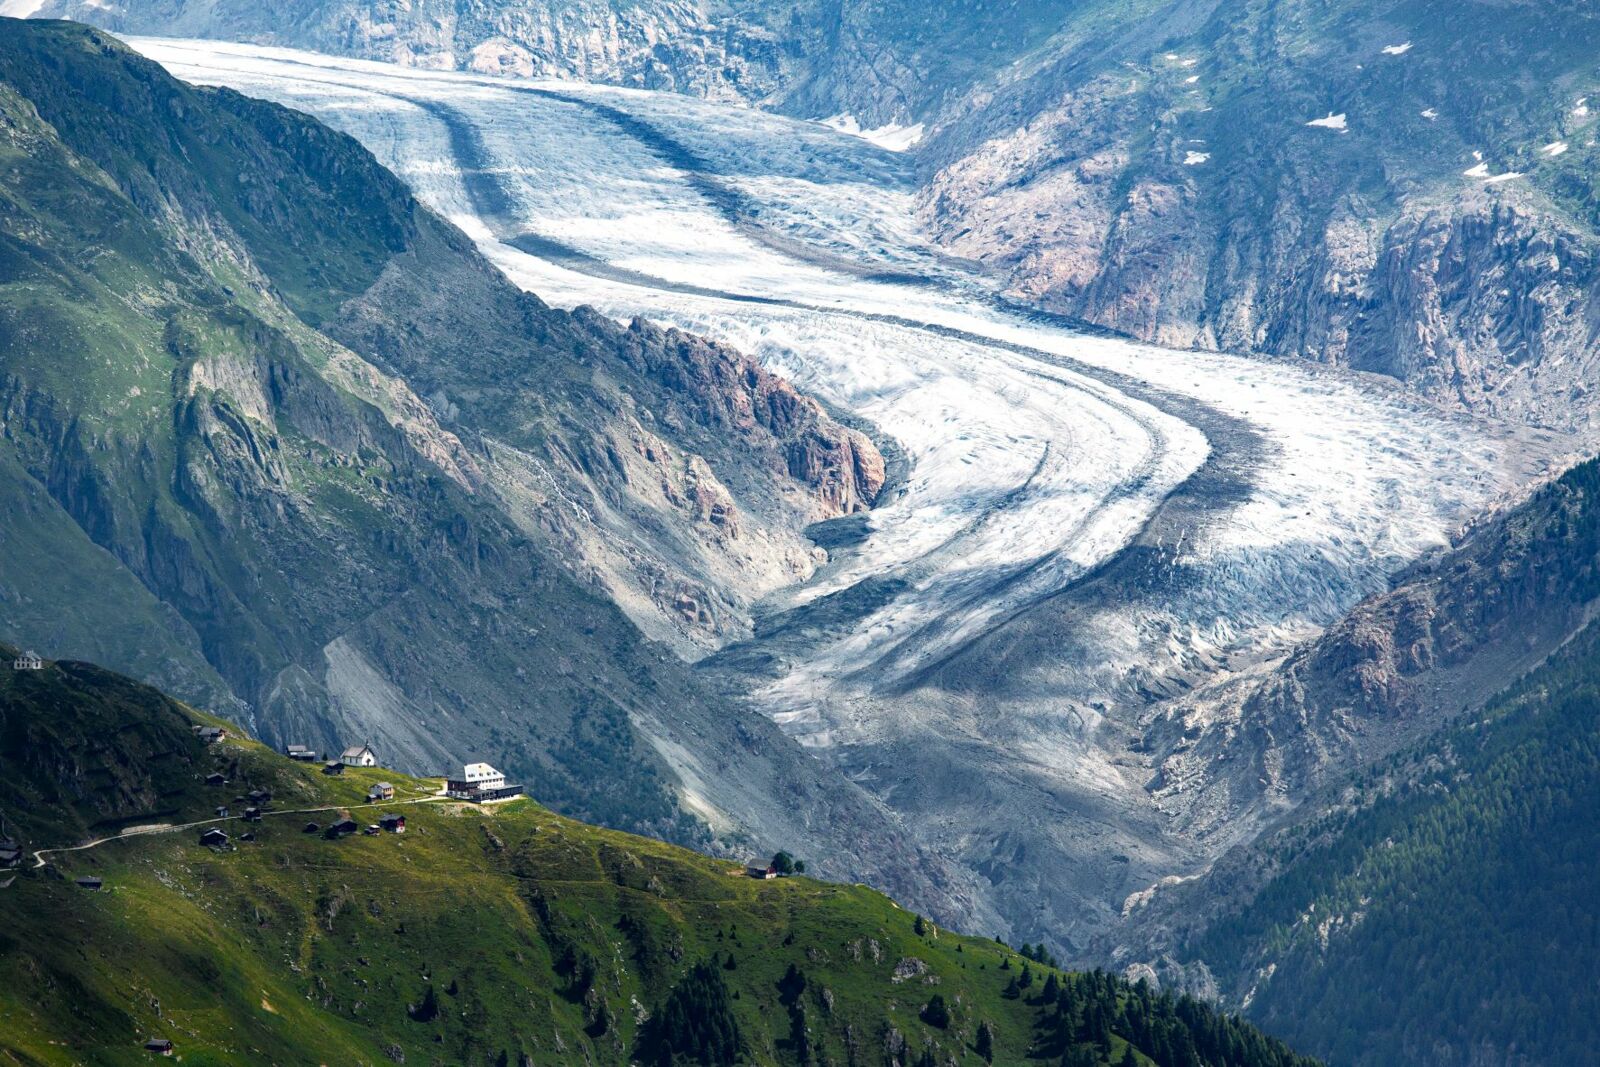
column 481, row 783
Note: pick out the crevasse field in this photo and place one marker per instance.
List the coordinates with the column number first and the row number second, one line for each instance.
column 1226, row 507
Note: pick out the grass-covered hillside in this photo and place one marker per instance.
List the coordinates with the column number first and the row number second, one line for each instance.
column 498, row 935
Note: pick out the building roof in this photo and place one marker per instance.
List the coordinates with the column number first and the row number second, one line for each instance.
column 477, row 772
column 356, row 752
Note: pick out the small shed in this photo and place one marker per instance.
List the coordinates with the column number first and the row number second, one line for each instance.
column 10, row 853
column 312, row 827
column 342, row 828
column 159, row 1045
column 301, row 753
column 381, row 791
column 333, row 766
column 393, row 822
column 252, row 814
column 210, row 734
column 89, row 882
column 214, row 838
column 260, row 796
column 216, row 779
column 222, row 812
column 763, row 873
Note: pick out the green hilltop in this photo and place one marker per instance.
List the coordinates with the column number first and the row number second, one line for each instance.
column 503, row 934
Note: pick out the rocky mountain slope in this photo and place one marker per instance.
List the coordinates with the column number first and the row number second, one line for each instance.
column 237, row 471
column 680, row 45
column 1454, row 629
column 502, row 934
column 1396, row 914
column 880, row 64
column 1400, row 188
column 1398, row 837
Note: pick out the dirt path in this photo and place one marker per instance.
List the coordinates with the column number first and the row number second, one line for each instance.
column 168, row 828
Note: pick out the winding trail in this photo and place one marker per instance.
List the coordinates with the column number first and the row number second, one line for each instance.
column 172, row 828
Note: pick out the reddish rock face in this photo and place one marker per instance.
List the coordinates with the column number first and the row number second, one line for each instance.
column 732, row 395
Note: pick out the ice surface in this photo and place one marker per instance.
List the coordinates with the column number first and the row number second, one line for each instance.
column 1036, row 454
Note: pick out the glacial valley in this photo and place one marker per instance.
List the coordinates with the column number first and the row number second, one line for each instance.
column 1034, row 653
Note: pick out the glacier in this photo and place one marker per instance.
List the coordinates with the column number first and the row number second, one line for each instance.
column 1091, row 534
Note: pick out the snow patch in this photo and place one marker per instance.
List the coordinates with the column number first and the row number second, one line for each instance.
column 1194, row 159
column 1480, row 171
column 1397, row 49
column 1430, row 114
column 1555, row 148
column 893, row 137
column 1331, row 121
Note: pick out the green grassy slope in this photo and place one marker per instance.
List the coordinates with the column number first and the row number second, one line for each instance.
column 1441, row 911
column 479, row 936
